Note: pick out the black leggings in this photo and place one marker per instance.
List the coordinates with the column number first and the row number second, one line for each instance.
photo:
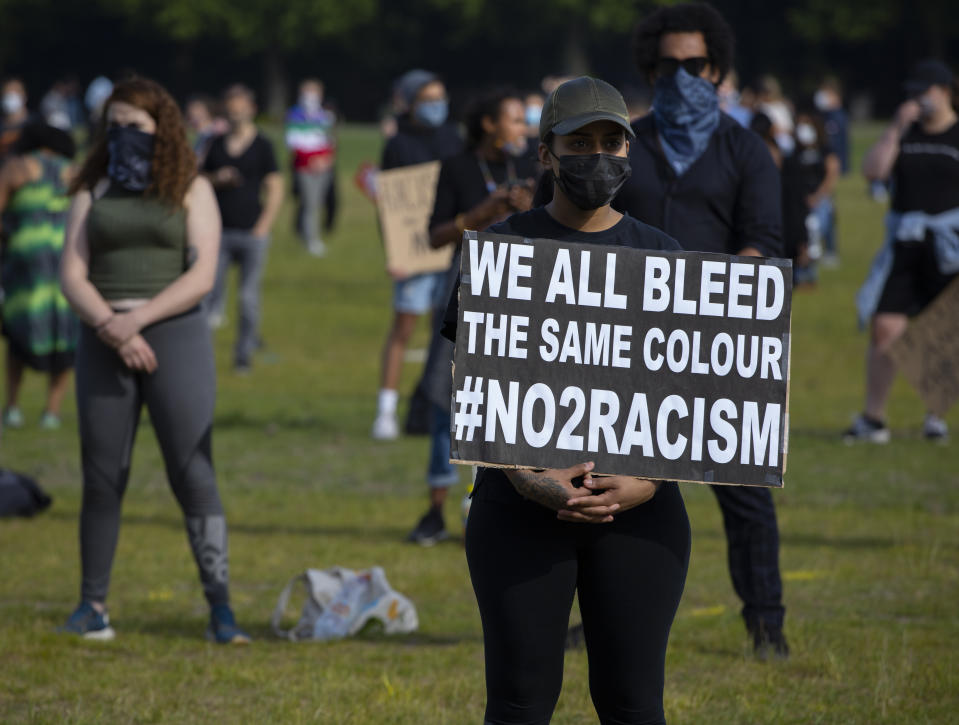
column 526, row 565
column 180, row 397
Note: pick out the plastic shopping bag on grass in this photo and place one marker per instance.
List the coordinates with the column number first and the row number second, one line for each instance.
column 340, row 602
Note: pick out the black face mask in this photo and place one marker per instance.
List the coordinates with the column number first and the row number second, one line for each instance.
column 131, row 157
column 593, row 180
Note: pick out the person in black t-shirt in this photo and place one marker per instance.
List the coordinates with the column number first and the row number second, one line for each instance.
column 713, row 185
column 919, row 152
column 476, row 188
column 809, row 176
column 249, row 189
column 533, row 538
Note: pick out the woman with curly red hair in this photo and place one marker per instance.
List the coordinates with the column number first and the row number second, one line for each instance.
column 140, row 254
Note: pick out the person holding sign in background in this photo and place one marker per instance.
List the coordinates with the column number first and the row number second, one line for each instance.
column 536, row 538
column 491, row 179
column 423, row 135
column 919, row 153
column 702, row 178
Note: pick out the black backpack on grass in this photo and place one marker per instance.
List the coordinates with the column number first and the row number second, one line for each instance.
column 20, row 495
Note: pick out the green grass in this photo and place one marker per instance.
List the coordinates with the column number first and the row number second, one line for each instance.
column 870, row 538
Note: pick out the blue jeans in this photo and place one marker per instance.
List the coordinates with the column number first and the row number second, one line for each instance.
column 825, row 211
column 441, row 473
column 241, row 247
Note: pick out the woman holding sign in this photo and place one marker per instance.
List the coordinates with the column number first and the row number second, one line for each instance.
column 536, row 538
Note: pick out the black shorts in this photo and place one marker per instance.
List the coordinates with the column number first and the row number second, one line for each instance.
column 914, row 280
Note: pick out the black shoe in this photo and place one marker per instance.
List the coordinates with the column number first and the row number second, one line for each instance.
column 769, row 642
column 430, row 530
column 574, row 637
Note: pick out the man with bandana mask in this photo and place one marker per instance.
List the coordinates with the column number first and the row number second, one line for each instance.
column 712, row 185
column 919, row 154
column 423, row 135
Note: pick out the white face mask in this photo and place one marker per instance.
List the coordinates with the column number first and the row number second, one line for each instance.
column 927, row 107
column 806, row 134
column 310, row 101
column 12, row 102
column 785, row 142
column 822, row 100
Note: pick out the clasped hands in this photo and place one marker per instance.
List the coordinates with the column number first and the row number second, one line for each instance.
column 597, row 502
column 122, row 333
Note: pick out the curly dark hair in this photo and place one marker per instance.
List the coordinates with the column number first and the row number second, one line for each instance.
column 174, row 163
column 486, row 105
column 684, row 18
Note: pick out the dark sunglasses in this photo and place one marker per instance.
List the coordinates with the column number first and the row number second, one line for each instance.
column 669, row 66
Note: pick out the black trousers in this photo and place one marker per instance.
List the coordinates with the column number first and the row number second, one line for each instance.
column 752, row 538
column 526, row 565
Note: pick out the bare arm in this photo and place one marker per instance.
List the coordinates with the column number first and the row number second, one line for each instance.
column 878, row 163
column 273, row 185
column 83, row 297
column 203, row 243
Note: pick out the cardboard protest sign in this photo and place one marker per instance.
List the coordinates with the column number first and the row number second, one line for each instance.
column 928, row 352
column 404, row 198
column 666, row 365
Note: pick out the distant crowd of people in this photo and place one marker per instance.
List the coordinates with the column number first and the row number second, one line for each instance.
column 124, row 283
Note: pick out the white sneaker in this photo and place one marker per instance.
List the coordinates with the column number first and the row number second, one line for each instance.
column 316, row 247
column 385, row 428
column 935, row 429
column 864, row 429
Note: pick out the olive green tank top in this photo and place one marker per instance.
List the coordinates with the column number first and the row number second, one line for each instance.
column 137, row 244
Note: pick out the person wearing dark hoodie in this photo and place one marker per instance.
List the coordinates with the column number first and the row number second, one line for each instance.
column 423, row 135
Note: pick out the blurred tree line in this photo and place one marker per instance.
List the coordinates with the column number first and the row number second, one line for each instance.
column 360, row 46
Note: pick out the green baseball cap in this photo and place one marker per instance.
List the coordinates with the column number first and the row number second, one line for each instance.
column 579, row 102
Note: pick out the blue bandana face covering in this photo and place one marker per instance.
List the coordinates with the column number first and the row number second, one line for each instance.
column 686, row 112
column 131, row 157
column 432, row 113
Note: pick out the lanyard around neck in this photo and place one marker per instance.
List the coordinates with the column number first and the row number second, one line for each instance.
column 491, row 184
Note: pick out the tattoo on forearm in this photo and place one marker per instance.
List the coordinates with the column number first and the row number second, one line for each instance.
column 540, row 488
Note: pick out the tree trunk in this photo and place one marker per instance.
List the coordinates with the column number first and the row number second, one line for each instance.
column 275, row 83
column 575, row 60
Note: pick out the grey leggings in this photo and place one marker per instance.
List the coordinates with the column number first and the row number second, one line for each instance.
column 179, row 396
column 313, row 187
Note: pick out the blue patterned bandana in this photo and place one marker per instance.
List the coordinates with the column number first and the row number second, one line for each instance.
column 686, row 113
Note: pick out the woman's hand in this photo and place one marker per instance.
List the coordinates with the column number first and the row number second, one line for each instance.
column 120, row 328
column 619, row 493
column 521, row 196
column 554, row 489
column 493, row 208
column 137, row 354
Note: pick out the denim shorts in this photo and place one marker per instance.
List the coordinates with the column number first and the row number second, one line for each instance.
column 418, row 294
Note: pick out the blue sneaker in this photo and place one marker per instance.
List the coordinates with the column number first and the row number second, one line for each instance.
column 87, row 622
column 223, row 629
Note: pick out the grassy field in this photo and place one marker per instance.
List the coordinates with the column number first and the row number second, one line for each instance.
column 870, row 538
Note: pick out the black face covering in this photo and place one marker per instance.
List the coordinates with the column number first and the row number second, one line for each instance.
column 131, row 157
column 591, row 181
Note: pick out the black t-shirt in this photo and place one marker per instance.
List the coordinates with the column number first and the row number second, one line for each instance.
column 462, row 184
column 538, row 224
column 926, row 174
column 415, row 144
column 803, row 172
column 240, row 205
column 729, row 199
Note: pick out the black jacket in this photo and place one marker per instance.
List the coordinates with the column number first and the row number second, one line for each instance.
column 729, row 199
column 414, row 144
